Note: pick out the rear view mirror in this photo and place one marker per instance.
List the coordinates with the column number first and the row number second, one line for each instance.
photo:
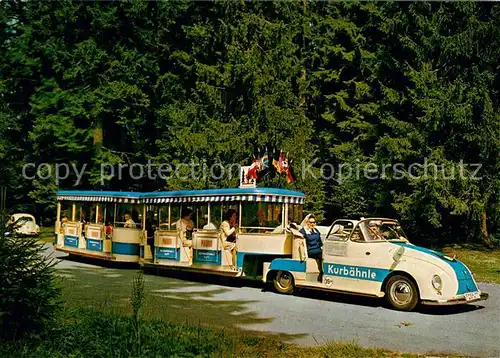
column 398, row 254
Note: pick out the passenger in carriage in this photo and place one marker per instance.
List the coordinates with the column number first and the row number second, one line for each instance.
column 186, row 226
column 109, row 230
column 64, row 220
column 228, row 229
column 129, row 223
column 150, row 235
column 313, row 242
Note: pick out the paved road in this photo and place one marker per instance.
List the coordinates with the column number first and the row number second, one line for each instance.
column 311, row 317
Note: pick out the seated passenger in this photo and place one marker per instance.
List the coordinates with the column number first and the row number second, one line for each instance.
column 109, row 230
column 150, row 235
column 129, row 223
column 313, row 242
column 374, row 229
column 64, row 220
column 228, row 229
column 186, row 226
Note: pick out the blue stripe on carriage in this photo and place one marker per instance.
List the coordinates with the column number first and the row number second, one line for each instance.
column 71, row 241
column 167, row 253
column 94, row 245
column 208, row 256
column 288, row 265
column 125, row 248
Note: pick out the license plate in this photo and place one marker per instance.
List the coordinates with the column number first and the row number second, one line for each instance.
column 469, row 296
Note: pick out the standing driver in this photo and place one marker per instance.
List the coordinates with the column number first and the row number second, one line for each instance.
column 314, row 243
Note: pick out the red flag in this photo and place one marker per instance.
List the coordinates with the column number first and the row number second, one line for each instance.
column 279, row 163
column 253, row 170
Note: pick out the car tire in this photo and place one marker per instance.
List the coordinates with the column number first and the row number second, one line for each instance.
column 401, row 293
column 284, row 282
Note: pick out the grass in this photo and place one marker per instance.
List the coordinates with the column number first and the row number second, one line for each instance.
column 484, row 263
column 91, row 333
column 47, row 234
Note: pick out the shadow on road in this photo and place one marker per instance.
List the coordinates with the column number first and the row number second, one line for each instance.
column 209, row 279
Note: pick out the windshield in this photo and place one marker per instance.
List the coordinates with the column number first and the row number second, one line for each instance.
column 386, row 230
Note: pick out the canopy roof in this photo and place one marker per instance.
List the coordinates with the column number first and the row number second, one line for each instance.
column 181, row 196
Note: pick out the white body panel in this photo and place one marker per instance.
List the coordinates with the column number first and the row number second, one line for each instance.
column 25, row 224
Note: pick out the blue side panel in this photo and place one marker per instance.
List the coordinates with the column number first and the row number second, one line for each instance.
column 167, row 253
column 465, row 280
column 94, row 245
column 356, row 272
column 208, row 257
column 123, row 248
column 71, row 241
column 141, row 252
column 240, row 256
column 288, row 265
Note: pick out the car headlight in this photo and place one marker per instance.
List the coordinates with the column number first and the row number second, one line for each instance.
column 437, row 283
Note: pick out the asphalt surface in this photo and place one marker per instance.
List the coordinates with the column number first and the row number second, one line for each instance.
column 313, row 317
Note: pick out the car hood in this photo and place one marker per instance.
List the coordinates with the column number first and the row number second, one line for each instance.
column 437, row 258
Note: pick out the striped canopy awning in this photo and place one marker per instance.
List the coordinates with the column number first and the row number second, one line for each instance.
column 206, row 199
column 100, row 199
column 185, row 199
column 268, row 195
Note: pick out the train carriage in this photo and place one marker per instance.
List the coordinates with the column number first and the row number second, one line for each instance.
column 92, row 223
column 263, row 214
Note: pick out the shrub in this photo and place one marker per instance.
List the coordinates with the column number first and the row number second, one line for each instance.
column 28, row 291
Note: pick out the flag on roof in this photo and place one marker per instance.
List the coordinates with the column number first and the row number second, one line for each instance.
column 253, row 170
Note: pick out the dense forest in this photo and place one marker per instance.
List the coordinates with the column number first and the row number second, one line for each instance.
column 337, row 84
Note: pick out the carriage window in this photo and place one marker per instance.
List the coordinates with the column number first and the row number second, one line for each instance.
column 106, row 213
column 295, row 213
column 151, row 216
column 175, row 215
column 216, row 214
column 262, row 215
column 91, row 209
column 200, row 216
column 128, row 215
column 66, row 210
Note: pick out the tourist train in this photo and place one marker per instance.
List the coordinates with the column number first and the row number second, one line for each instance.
column 183, row 230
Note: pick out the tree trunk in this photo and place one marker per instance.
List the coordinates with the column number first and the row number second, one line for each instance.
column 98, row 140
column 484, row 229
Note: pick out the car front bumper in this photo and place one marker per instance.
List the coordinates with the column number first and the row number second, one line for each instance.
column 456, row 301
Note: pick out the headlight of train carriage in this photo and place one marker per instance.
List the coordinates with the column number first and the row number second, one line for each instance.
column 437, row 283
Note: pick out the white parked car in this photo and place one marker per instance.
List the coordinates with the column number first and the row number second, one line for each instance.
column 25, row 224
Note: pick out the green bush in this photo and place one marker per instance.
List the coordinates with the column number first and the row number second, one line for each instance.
column 28, row 291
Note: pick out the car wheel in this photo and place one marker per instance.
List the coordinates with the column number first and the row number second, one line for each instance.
column 283, row 282
column 401, row 293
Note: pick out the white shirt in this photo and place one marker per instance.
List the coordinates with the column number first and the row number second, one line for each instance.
column 226, row 230
column 210, row 226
